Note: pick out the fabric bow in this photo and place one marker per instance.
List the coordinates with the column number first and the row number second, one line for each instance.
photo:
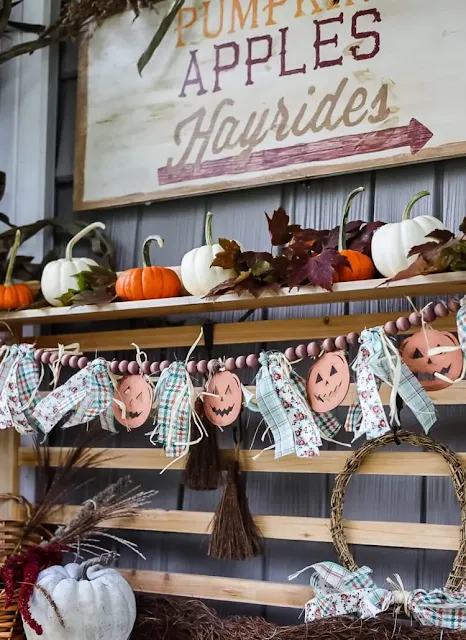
column 338, row 591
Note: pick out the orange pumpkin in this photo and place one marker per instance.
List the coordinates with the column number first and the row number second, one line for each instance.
column 361, row 266
column 148, row 282
column 14, row 296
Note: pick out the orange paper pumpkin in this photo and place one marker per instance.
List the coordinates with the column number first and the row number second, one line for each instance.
column 414, row 351
column 328, row 382
column 224, row 406
column 136, row 395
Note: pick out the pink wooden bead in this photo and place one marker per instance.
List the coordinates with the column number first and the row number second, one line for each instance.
column 441, row 310
column 415, row 319
column 212, row 364
column 230, row 364
column 340, row 343
column 53, row 357
column 391, row 328
column 115, row 367
column 38, row 354
column 65, row 360
column 301, row 351
column 192, row 367
column 123, row 368
column 202, row 366
column 45, row 357
column 155, row 367
column 74, row 362
column 403, row 324
column 453, row 305
column 133, row 368
column 313, row 349
column 328, row 345
column 429, row 314
column 146, row 367
column 241, row 362
column 164, row 365
column 252, row 360
column 353, row 338
column 290, row 354
column 83, row 362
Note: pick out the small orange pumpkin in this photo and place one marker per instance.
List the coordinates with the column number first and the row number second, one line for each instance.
column 14, row 296
column 361, row 266
column 148, row 282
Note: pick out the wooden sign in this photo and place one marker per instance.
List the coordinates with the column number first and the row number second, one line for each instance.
column 250, row 92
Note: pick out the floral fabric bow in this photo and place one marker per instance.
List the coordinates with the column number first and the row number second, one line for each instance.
column 20, row 378
column 338, row 591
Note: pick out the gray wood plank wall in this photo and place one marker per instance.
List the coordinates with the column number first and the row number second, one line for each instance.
column 241, row 215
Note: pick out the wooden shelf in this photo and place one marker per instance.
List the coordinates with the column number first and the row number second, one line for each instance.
column 438, row 284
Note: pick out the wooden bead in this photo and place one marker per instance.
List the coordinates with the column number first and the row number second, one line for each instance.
column 290, row 354
column 115, row 367
column 390, row 328
column 441, row 310
column 341, row 343
column 230, row 364
column 38, row 355
column 192, row 367
column 328, row 345
column 453, row 305
column 123, row 368
column 74, row 362
column 202, row 366
column 65, row 360
column 53, row 357
column 403, row 324
column 212, row 365
column 301, row 351
column 164, row 365
column 252, row 360
column 155, row 367
column 146, row 367
column 241, row 362
column 313, row 349
column 133, row 368
column 83, row 362
column 45, row 357
column 429, row 314
column 415, row 319
column 352, row 338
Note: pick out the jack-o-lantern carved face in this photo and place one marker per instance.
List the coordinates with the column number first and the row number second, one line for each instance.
column 224, row 406
column 136, row 395
column 414, row 351
column 328, row 382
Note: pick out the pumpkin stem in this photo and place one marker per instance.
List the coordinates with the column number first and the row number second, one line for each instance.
column 78, row 236
column 208, row 228
column 412, row 202
column 11, row 261
column 344, row 218
column 104, row 561
column 146, row 249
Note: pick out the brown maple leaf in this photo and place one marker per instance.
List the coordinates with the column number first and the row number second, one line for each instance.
column 280, row 229
column 318, row 271
column 227, row 258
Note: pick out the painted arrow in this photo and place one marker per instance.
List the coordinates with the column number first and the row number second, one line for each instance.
column 414, row 135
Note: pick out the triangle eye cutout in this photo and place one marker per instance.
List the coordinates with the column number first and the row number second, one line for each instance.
column 417, row 354
column 333, row 371
column 319, row 378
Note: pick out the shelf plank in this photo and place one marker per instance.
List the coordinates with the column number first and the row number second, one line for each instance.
column 220, row 589
column 440, row 284
column 379, row 534
column 230, row 332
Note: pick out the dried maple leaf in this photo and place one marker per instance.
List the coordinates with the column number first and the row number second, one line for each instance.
column 280, row 229
column 362, row 240
column 433, row 257
column 227, row 258
column 318, row 271
column 462, row 226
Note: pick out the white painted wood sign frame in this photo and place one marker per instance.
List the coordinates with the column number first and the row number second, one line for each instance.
column 251, row 92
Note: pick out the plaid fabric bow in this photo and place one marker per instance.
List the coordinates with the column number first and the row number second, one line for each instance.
column 461, row 324
column 338, row 591
column 85, row 396
column 20, row 378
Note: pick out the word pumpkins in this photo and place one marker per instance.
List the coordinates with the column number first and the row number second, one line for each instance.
column 414, row 351
column 95, row 603
column 224, row 406
column 328, row 382
column 135, row 394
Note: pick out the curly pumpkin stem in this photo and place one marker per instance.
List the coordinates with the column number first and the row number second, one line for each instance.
column 344, row 218
column 208, row 228
column 146, row 249
column 412, row 202
column 11, row 261
column 105, row 560
column 79, row 236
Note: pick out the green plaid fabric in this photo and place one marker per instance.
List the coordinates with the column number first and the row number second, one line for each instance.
column 20, row 377
column 173, row 410
column 461, row 324
column 341, row 592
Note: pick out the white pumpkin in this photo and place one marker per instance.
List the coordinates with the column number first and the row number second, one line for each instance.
column 197, row 274
column 95, row 602
column 392, row 242
column 57, row 276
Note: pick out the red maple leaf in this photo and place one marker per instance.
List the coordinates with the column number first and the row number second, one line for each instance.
column 317, row 271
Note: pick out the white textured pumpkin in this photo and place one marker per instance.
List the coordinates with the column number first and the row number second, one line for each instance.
column 95, row 602
column 197, row 274
column 392, row 242
column 57, row 276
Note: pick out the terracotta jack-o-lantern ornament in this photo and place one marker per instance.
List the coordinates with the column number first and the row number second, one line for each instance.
column 135, row 393
column 224, row 405
column 414, row 351
column 328, row 382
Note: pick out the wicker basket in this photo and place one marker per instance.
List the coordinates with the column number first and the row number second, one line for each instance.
column 457, row 576
column 12, row 541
